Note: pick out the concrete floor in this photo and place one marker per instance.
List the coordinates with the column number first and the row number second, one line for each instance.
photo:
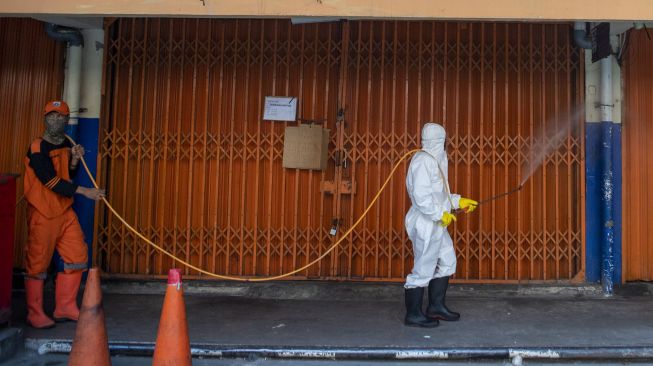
column 27, row 359
column 31, row 359
column 369, row 318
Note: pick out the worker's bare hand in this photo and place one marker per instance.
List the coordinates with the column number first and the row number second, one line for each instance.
column 96, row 194
column 91, row 193
column 77, row 152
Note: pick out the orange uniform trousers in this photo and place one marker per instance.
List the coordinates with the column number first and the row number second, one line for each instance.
column 62, row 232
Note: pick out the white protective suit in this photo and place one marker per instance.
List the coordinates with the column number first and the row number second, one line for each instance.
column 427, row 187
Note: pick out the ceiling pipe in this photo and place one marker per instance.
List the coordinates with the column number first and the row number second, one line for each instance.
column 581, row 38
column 64, row 34
column 309, row 20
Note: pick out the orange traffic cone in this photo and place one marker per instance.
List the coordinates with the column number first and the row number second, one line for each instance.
column 91, row 346
column 172, row 344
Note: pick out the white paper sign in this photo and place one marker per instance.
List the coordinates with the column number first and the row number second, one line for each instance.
column 280, row 109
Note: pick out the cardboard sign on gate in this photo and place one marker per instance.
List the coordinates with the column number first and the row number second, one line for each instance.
column 306, row 147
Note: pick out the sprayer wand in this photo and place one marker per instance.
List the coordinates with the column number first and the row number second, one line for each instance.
column 493, row 198
column 501, row 195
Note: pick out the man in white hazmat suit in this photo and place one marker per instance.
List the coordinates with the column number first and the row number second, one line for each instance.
column 431, row 211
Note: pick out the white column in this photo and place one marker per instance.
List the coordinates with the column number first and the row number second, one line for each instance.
column 91, row 84
column 73, row 81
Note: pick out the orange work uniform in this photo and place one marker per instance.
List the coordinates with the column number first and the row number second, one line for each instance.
column 51, row 219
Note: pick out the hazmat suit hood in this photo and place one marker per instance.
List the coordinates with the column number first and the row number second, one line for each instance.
column 433, row 138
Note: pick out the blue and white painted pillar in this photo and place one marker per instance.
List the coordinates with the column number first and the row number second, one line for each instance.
column 83, row 80
column 89, row 126
column 603, row 171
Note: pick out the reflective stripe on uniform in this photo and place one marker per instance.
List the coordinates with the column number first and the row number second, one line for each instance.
column 74, row 266
column 38, row 276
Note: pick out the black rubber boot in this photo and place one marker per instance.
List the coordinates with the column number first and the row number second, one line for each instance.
column 414, row 315
column 437, row 309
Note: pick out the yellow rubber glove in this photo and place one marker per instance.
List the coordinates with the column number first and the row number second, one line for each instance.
column 467, row 205
column 447, row 219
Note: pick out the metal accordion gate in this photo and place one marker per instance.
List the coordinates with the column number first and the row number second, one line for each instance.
column 186, row 156
column 636, row 133
column 31, row 74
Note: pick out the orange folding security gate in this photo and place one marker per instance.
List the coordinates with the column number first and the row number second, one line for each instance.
column 186, row 156
column 31, row 74
column 637, row 134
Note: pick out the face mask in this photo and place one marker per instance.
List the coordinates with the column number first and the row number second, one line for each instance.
column 55, row 125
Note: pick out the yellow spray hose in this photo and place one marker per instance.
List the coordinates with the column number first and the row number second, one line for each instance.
column 245, row 279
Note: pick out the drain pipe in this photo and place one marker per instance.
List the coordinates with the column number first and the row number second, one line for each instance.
column 580, row 36
column 64, row 34
column 75, row 42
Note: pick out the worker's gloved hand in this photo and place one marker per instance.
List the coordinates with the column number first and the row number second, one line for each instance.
column 467, row 204
column 447, row 219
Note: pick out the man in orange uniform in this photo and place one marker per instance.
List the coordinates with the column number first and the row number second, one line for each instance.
column 50, row 162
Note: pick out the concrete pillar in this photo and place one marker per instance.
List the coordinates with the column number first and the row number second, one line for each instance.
column 603, row 171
